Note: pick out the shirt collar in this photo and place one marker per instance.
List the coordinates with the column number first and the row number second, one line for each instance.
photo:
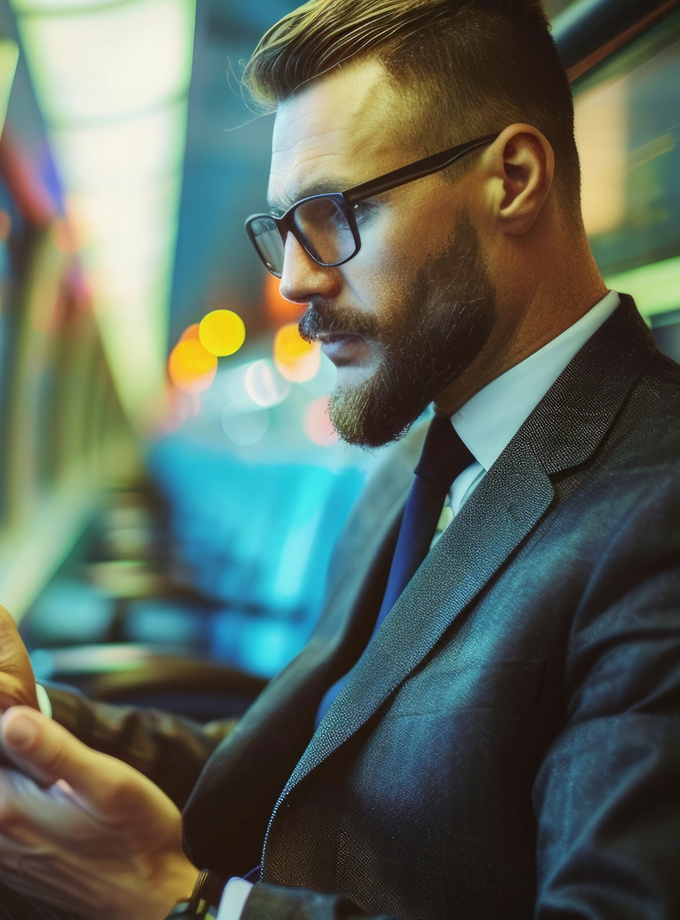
column 488, row 421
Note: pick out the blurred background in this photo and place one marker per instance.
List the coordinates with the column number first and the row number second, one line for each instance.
column 170, row 487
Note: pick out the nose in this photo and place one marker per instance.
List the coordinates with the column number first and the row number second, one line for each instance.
column 303, row 279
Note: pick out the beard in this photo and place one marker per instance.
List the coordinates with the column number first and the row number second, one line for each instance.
column 440, row 324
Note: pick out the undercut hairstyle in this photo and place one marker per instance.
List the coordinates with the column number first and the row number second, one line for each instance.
column 466, row 67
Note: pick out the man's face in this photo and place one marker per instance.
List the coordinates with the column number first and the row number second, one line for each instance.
column 415, row 307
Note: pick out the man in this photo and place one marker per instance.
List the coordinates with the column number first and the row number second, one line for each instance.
column 507, row 743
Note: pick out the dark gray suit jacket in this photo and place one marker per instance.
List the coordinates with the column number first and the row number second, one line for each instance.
column 509, row 744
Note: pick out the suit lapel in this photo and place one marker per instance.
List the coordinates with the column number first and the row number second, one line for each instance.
column 564, row 430
column 474, row 546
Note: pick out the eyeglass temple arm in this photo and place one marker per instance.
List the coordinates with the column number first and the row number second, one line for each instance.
column 413, row 171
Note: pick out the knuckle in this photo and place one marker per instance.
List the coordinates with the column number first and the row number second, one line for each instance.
column 121, row 797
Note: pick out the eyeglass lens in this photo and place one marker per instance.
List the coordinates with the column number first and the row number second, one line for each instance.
column 321, row 225
column 269, row 244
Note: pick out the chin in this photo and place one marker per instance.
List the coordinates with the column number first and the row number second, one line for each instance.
column 361, row 419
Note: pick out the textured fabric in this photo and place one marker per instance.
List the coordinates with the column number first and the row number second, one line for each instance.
column 491, row 417
column 171, row 750
column 443, row 458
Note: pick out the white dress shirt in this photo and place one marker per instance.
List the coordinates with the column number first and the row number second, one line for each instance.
column 493, row 416
column 486, row 424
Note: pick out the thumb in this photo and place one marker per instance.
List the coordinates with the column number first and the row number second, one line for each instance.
column 47, row 752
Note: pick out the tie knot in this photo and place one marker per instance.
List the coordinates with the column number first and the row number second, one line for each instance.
column 444, row 456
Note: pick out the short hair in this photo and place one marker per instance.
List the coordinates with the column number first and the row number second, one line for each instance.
column 470, row 67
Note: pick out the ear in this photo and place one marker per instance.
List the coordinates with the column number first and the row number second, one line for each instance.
column 522, row 164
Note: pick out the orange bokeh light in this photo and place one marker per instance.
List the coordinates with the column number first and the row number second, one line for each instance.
column 191, row 332
column 63, row 236
column 295, row 359
column 191, row 367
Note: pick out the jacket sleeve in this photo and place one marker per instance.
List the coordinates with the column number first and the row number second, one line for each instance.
column 607, row 796
column 272, row 901
column 171, row 750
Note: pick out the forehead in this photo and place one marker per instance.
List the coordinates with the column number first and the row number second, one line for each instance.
column 337, row 132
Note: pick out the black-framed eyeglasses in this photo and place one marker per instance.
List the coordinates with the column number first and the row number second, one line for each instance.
column 326, row 225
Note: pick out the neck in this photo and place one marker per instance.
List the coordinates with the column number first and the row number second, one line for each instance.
column 534, row 306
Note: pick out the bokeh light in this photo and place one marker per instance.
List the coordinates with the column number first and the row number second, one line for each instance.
column 246, row 429
column 222, row 332
column 191, row 332
column 317, row 424
column 264, row 384
column 191, row 367
column 63, row 236
column 295, row 359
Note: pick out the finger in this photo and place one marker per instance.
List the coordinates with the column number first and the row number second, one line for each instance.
column 21, row 737
column 48, row 752
column 17, row 683
column 10, row 762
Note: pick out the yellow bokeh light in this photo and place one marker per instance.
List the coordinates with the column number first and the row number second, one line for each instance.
column 222, row 332
column 295, row 359
column 191, row 367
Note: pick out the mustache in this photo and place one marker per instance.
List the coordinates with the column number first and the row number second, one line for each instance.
column 325, row 318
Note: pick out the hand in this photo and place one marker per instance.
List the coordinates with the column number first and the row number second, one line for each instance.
column 17, row 682
column 92, row 835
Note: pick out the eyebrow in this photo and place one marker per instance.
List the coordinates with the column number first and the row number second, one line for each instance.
column 319, row 187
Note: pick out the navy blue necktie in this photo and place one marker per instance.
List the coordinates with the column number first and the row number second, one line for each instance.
column 443, row 458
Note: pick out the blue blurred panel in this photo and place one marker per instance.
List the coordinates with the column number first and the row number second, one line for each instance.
column 256, row 538
column 177, row 623
column 261, row 646
column 70, row 611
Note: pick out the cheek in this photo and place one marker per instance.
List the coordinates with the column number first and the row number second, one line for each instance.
column 385, row 246
column 375, row 275
column 395, row 248
column 379, row 287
